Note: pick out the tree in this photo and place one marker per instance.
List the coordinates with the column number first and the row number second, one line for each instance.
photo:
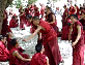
column 3, row 5
column 31, row 1
column 18, row 3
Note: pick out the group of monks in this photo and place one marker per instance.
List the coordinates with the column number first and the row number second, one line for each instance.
column 44, row 24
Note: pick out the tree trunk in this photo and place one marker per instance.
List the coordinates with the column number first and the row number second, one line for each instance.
column 3, row 5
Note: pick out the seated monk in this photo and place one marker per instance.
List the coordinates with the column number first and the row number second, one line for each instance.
column 13, row 22
column 39, row 58
column 16, row 57
column 4, row 53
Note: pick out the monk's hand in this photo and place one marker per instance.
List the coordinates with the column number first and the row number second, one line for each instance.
column 24, row 40
column 73, row 44
column 29, row 59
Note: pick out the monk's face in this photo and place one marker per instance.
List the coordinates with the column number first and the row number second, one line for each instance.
column 35, row 22
column 30, row 20
column 17, row 45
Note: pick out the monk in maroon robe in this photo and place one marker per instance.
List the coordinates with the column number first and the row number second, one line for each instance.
column 42, row 11
column 72, row 10
column 77, row 8
column 16, row 57
column 49, row 40
column 65, row 15
column 5, row 27
column 82, row 20
column 4, row 53
column 13, row 22
column 76, row 34
column 65, row 27
column 39, row 58
column 51, row 19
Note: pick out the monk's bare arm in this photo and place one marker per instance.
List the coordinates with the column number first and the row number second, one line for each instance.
column 36, row 31
column 20, row 57
column 78, row 36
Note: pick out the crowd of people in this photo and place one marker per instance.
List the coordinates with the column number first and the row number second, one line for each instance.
column 44, row 24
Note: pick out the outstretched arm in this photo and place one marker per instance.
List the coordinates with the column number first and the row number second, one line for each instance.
column 36, row 31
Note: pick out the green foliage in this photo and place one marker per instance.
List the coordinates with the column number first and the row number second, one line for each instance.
column 18, row 3
column 55, row 0
column 31, row 1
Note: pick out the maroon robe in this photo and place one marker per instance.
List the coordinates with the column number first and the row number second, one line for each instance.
column 49, row 19
column 5, row 27
column 83, row 23
column 4, row 53
column 49, row 40
column 36, row 12
column 78, row 51
column 42, row 11
column 72, row 10
column 64, row 17
column 38, row 59
column 77, row 10
column 65, row 30
column 14, row 60
column 13, row 23
column 23, row 19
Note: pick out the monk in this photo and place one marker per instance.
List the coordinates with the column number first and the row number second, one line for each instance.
column 42, row 10
column 5, row 27
column 16, row 57
column 23, row 20
column 65, row 15
column 4, row 53
column 49, row 40
column 82, row 20
column 65, row 27
column 39, row 58
column 36, row 11
column 51, row 18
column 13, row 22
column 76, row 34
column 72, row 10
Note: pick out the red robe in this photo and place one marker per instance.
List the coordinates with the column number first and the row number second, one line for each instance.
column 49, row 40
column 72, row 10
column 78, row 51
column 23, row 21
column 42, row 11
column 14, row 60
column 38, row 59
column 36, row 13
column 83, row 23
column 65, row 31
column 77, row 10
column 4, row 53
column 13, row 23
column 49, row 19
column 64, row 17
column 5, row 27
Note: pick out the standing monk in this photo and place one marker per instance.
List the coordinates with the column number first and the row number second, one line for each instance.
column 76, row 32
column 51, row 18
column 49, row 40
column 82, row 20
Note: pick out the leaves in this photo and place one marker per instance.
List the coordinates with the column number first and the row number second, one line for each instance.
column 31, row 1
